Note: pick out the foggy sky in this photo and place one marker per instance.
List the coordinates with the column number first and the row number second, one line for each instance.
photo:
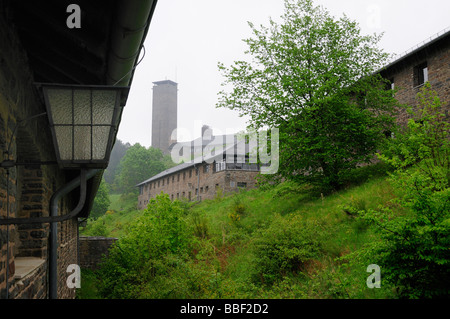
column 187, row 38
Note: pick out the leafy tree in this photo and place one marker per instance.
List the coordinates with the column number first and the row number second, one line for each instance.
column 101, row 201
column 414, row 251
column 138, row 164
column 313, row 77
column 153, row 246
column 117, row 153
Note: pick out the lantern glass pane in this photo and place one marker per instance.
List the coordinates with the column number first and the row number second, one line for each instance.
column 82, row 106
column 104, row 101
column 64, row 141
column 60, row 101
column 100, row 141
column 82, row 143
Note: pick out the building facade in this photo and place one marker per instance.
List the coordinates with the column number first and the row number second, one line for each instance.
column 199, row 181
column 164, row 114
column 427, row 62
column 37, row 251
column 213, row 172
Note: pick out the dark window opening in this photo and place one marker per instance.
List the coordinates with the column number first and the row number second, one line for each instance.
column 241, row 184
column 420, row 74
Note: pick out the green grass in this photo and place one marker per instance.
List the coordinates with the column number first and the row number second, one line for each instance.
column 122, row 211
column 89, row 282
column 225, row 230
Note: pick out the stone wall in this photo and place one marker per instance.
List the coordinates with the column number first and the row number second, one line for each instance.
column 186, row 183
column 26, row 189
column 437, row 59
column 93, row 250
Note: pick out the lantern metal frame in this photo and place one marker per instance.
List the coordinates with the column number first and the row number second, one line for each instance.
column 75, row 161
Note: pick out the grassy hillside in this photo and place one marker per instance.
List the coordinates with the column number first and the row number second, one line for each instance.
column 273, row 242
column 122, row 211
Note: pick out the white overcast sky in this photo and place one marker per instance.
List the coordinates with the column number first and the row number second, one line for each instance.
column 187, row 38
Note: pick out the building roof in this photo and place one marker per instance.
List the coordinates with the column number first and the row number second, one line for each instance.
column 104, row 51
column 165, row 82
column 442, row 37
column 209, row 158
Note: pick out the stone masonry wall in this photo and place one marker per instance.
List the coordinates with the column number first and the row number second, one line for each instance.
column 93, row 250
column 438, row 64
column 26, row 189
column 185, row 183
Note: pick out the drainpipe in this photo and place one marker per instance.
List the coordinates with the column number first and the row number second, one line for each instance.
column 54, row 218
column 81, row 182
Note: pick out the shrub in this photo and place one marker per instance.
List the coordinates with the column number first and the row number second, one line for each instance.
column 285, row 246
column 135, row 259
column 414, row 250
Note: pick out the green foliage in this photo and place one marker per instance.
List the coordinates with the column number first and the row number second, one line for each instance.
column 154, row 241
column 137, row 165
column 414, row 248
column 117, row 153
column 237, row 210
column 311, row 77
column 89, row 284
column 101, row 201
column 285, row 246
column 98, row 229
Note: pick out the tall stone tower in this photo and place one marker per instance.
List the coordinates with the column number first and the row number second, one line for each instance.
column 164, row 114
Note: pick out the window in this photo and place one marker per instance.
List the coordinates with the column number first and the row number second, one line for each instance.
column 190, row 173
column 173, row 178
column 206, row 168
column 184, row 194
column 163, row 182
column 178, row 177
column 168, row 180
column 178, row 195
column 220, row 166
column 184, row 175
column 420, row 74
column 391, row 84
column 158, row 183
column 206, row 189
column 201, row 190
column 241, row 184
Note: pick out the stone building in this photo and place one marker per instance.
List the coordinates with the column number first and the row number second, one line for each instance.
column 429, row 61
column 164, row 114
column 206, row 175
column 40, row 44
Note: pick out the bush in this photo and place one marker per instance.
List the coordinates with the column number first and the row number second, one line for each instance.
column 414, row 250
column 156, row 238
column 285, row 246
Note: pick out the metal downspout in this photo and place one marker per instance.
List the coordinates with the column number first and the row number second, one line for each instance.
column 81, row 182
